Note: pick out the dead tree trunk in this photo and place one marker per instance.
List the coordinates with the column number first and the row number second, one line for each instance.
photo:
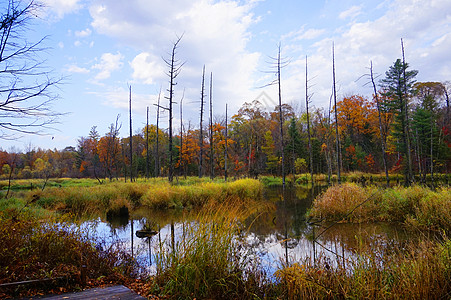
column 308, row 122
column 225, row 149
column 181, row 164
column 381, row 129
column 410, row 177
column 212, row 169
column 157, row 151
column 336, row 119
column 147, row 142
column 201, row 138
column 131, row 134
column 174, row 70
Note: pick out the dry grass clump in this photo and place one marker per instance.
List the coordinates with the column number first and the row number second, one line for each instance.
column 421, row 271
column 197, row 195
column 337, row 202
column 416, row 206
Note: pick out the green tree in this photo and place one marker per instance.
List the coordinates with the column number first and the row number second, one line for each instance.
column 398, row 89
column 272, row 160
column 294, row 147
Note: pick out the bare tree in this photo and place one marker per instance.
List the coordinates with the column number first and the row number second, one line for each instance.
column 157, row 153
column 226, row 146
column 175, row 67
column 212, row 169
column 410, row 177
column 336, row 118
column 382, row 131
column 307, row 100
column 201, row 138
column 147, row 142
column 25, row 82
column 276, row 64
column 131, row 134
column 182, row 163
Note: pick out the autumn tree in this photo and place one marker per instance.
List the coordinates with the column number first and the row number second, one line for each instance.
column 110, row 150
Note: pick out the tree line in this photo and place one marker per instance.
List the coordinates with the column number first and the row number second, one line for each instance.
column 254, row 144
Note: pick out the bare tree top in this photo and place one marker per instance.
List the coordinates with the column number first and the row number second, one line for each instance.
column 26, row 84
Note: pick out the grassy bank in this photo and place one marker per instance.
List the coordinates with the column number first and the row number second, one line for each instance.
column 414, row 206
column 350, row 177
column 91, row 199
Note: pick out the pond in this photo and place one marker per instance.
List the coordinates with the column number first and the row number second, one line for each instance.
column 276, row 235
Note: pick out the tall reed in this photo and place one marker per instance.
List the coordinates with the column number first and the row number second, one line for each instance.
column 210, row 262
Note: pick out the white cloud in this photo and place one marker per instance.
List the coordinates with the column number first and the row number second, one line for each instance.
column 424, row 26
column 83, row 33
column 148, row 68
column 108, row 63
column 77, row 69
column 58, row 8
column 351, row 13
column 215, row 33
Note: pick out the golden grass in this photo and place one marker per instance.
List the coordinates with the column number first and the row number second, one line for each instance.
column 414, row 206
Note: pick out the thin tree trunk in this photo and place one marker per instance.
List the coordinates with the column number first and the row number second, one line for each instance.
column 174, row 70
column 226, row 146
column 157, row 152
column 10, row 176
column 308, row 122
column 336, row 119
column 201, row 142
column 212, row 169
column 147, row 142
column 432, row 148
column 131, row 135
column 406, row 124
column 182, row 164
column 382, row 135
column 281, row 117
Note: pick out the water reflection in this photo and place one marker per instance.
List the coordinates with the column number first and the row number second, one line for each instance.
column 275, row 235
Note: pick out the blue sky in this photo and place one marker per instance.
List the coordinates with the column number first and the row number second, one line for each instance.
column 102, row 46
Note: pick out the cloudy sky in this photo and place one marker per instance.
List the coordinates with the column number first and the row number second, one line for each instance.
column 102, row 46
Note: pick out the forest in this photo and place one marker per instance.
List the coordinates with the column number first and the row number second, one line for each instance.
column 254, row 146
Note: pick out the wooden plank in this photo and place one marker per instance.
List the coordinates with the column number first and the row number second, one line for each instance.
column 113, row 292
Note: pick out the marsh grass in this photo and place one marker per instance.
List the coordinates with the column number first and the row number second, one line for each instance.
column 156, row 193
column 211, row 261
column 421, row 270
column 414, row 206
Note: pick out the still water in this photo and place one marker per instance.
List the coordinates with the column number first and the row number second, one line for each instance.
column 276, row 235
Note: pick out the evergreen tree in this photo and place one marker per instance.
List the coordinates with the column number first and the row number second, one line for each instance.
column 294, row 148
column 398, row 89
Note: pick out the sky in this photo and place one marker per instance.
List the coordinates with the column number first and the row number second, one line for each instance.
column 101, row 47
